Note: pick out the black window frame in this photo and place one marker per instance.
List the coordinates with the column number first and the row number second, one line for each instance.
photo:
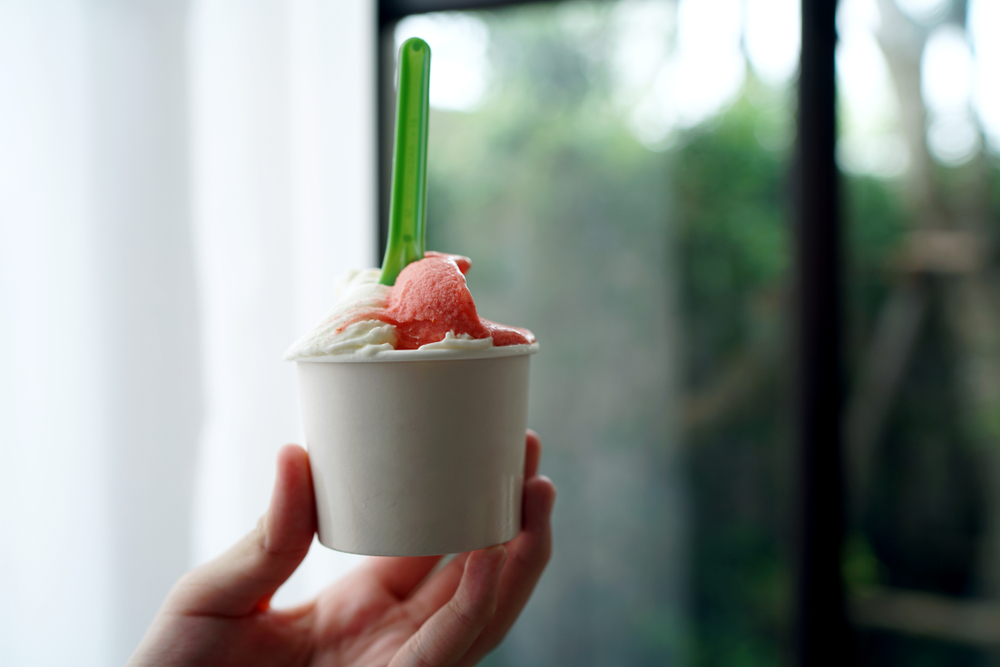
column 822, row 632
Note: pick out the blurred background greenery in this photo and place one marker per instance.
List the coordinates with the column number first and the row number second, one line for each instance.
column 643, row 234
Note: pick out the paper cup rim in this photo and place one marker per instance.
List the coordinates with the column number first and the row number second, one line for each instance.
column 497, row 352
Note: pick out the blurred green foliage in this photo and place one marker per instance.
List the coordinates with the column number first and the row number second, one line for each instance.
column 659, row 287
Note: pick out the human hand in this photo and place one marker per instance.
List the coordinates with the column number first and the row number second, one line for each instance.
column 382, row 613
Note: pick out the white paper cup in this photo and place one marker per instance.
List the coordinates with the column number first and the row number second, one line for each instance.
column 417, row 452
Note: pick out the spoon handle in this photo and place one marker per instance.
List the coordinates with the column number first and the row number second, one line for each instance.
column 408, row 202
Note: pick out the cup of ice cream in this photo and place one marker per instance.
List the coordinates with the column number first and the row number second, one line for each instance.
column 414, row 410
column 414, row 407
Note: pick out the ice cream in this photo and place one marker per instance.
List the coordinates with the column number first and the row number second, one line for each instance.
column 429, row 308
column 415, row 425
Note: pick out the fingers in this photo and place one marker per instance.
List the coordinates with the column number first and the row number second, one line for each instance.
column 400, row 576
column 529, row 553
column 448, row 634
column 532, row 454
column 439, row 589
column 244, row 578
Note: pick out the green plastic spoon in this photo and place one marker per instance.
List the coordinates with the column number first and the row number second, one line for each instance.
column 408, row 200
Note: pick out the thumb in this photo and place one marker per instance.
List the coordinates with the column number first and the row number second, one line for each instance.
column 243, row 579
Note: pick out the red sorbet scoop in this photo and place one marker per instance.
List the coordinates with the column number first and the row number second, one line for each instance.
column 431, row 298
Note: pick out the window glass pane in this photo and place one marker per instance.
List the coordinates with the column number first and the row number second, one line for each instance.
column 617, row 173
column 918, row 148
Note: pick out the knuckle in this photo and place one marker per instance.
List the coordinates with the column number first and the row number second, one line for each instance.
column 466, row 616
column 421, row 652
column 258, row 536
column 181, row 586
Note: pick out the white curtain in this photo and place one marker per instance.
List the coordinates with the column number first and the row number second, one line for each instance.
column 180, row 182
